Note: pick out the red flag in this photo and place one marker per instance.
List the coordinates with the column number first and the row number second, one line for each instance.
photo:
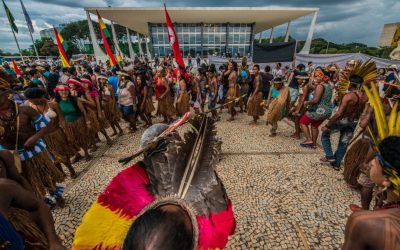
column 16, row 69
column 173, row 40
column 103, row 28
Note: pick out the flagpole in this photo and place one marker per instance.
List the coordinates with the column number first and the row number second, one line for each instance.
column 16, row 41
column 34, row 46
column 30, row 33
column 12, row 30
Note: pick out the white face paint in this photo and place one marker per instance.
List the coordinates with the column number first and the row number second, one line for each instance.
column 171, row 36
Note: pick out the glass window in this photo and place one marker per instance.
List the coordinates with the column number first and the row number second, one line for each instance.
column 185, row 38
column 236, row 38
column 192, row 38
column 242, row 38
column 217, row 39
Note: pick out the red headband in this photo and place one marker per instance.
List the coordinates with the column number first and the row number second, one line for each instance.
column 61, row 87
column 84, row 80
column 73, row 81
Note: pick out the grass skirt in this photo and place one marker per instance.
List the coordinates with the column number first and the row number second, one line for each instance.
column 355, row 155
column 254, row 108
column 279, row 107
column 230, row 96
column 41, row 174
column 111, row 111
column 148, row 106
column 57, row 144
column 166, row 106
column 32, row 236
column 183, row 106
column 77, row 133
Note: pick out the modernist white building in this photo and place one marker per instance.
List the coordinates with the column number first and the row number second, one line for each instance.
column 204, row 30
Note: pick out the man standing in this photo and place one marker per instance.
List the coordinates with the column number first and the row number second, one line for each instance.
column 344, row 121
column 266, row 78
column 254, row 108
column 277, row 71
column 35, row 81
column 113, row 80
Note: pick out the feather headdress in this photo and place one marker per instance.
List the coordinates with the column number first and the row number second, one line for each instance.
column 386, row 127
column 366, row 70
column 175, row 170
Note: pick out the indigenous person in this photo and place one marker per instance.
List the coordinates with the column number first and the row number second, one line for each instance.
column 243, row 85
column 152, row 214
column 212, row 91
column 56, row 140
column 232, row 91
column 163, row 94
column 146, row 103
column 13, row 195
column 380, row 229
column 127, row 99
column 345, row 119
column 305, row 90
column 266, row 77
column 21, row 130
column 254, row 104
column 94, row 108
column 196, row 92
column 109, row 104
column 74, row 120
column 319, row 108
column 278, row 103
column 182, row 96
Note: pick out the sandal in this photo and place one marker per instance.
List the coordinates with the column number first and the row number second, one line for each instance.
column 325, row 159
column 307, row 144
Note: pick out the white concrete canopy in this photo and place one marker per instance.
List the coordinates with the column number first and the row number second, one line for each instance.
column 137, row 18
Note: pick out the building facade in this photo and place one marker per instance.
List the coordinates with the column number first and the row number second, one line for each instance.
column 204, row 39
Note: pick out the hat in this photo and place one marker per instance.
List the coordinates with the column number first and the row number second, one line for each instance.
column 122, row 73
column 277, row 80
column 393, row 66
column 351, row 62
column 101, row 77
column 128, row 68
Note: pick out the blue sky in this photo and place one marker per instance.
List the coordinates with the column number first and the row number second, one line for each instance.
column 340, row 21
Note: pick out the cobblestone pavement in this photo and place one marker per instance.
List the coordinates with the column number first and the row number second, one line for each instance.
column 278, row 189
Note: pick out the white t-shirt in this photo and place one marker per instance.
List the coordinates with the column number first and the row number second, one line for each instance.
column 124, row 96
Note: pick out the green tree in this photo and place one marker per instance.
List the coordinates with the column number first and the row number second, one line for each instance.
column 46, row 47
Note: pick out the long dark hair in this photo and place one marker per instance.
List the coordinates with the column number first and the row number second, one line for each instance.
column 160, row 229
column 71, row 98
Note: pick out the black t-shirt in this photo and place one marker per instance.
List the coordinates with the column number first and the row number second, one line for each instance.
column 294, row 84
column 265, row 79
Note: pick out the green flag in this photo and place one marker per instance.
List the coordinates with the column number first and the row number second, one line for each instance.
column 10, row 18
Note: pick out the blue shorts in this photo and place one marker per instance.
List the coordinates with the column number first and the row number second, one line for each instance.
column 126, row 110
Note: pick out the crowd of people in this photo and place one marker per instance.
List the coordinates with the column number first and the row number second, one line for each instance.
column 52, row 117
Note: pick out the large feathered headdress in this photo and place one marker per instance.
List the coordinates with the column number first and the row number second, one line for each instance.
column 366, row 70
column 386, row 127
column 175, row 170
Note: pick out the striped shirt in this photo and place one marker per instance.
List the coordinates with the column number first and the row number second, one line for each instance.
column 40, row 146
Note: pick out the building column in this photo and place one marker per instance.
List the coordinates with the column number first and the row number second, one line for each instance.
column 287, row 31
column 252, row 37
column 201, row 35
column 227, row 39
column 271, row 37
column 115, row 40
column 307, row 44
column 139, row 44
column 132, row 54
column 259, row 40
column 98, row 52
column 147, row 49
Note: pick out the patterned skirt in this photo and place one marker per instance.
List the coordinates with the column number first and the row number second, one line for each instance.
column 254, row 107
